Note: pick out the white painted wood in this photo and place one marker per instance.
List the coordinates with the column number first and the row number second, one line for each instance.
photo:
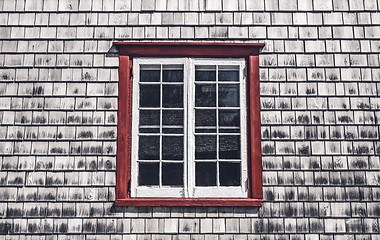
column 221, row 191
column 145, row 191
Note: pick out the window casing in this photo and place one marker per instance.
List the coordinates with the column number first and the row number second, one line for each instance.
column 191, row 56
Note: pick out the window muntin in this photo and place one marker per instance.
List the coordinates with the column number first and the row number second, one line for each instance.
column 189, row 128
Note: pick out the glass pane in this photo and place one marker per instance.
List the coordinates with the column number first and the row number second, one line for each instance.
column 205, row 73
column 149, row 95
column 229, row 118
column 148, row 173
column 205, row 117
column 149, row 147
column 205, row 95
column 149, row 117
column 149, row 73
column 172, row 73
column 231, row 130
column 205, row 147
column 205, row 130
column 172, row 130
column 172, row 148
column 205, row 173
column 149, row 130
column 172, row 96
column 228, row 73
column 172, row 117
column 229, row 147
column 229, row 174
column 172, row 174
column 228, row 95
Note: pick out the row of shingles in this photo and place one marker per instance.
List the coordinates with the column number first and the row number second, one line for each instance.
column 193, row 5
column 177, row 25
column 186, row 18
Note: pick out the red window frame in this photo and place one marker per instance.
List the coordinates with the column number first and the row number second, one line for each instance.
column 248, row 51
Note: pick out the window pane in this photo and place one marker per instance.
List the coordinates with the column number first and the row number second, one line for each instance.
column 228, row 73
column 205, row 117
column 149, row 95
column 149, row 130
column 172, row 96
column 172, row 130
column 228, row 95
column 172, row 73
column 205, row 95
column 205, row 73
column 205, row 173
column 172, row 117
column 229, row 147
column 229, row 174
column 149, row 117
column 149, row 147
column 205, row 147
column 149, row 73
column 148, row 173
column 172, row 174
column 229, row 118
column 172, row 148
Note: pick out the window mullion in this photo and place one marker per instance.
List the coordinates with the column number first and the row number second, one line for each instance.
column 190, row 127
column 160, row 160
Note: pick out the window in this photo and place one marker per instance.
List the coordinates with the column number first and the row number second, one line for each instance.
column 188, row 125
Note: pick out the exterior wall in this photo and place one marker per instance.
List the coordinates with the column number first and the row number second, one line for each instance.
column 320, row 83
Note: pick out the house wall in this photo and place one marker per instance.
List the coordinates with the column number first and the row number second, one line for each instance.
column 320, row 83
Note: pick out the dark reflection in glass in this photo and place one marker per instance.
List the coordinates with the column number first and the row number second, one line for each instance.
column 228, row 95
column 149, row 95
column 149, row 147
column 205, row 173
column 149, row 117
column 226, row 75
column 205, row 73
column 221, row 130
column 205, row 130
column 151, row 75
column 173, row 76
column 205, row 95
column 229, row 118
column 205, row 117
column 149, row 130
column 229, row 147
column 229, row 174
column 205, row 147
column 172, row 174
column 172, row 117
column 148, row 174
column 172, row 148
column 172, row 96
column 172, row 130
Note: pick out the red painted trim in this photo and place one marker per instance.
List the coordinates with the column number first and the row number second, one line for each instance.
column 255, row 138
column 216, row 50
column 124, row 126
column 176, row 49
column 188, row 202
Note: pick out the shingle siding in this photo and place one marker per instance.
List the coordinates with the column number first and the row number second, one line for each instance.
column 320, row 111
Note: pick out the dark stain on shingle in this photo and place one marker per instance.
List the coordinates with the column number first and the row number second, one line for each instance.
column 303, row 119
column 86, row 134
column 63, row 228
